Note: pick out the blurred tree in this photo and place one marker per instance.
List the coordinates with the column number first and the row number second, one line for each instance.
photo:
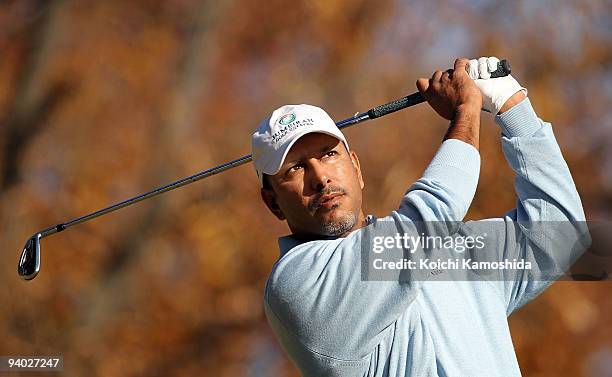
column 29, row 103
column 102, row 100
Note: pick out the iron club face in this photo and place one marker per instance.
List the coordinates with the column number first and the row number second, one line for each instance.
column 29, row 263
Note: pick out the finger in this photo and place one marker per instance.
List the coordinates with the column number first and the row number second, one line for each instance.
column 437, row 75
column 447, row 75
column 473, row 69
column 492, row 63
column 483, row 68
column 422, row 85
column 461, row 65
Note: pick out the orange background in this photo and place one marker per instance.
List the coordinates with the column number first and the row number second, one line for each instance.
column 104, row 100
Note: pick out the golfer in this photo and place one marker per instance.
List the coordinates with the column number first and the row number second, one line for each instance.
column 333, row 322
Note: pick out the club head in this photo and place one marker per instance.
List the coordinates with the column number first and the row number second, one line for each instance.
column 29, row 263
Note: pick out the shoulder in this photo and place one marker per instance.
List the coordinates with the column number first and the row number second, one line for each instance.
column 299, row 263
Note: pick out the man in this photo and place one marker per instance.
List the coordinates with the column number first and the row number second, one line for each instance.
column 334, row 322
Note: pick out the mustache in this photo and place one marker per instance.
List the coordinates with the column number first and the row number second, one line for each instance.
column 315, row 203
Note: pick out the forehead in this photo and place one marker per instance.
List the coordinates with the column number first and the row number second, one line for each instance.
column 311, row 143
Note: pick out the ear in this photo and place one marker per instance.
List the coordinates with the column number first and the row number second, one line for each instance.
column 357, row 166
column 269, row 197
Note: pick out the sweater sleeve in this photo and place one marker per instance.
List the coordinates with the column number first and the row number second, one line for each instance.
column 447, row 187
column 547, row 227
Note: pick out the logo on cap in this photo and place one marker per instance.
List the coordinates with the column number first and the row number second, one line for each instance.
column 286, row 119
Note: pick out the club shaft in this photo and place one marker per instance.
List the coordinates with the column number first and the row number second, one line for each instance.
column 360, row 117
column 373, row 113
column 149, row 194
column 29, row 262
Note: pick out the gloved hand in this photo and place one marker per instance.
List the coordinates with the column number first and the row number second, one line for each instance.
column 495, row 92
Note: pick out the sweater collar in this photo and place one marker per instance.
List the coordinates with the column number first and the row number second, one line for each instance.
column 287, row 243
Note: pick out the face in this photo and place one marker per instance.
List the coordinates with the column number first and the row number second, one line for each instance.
column 318, row 188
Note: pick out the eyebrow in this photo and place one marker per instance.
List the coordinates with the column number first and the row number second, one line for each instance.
column 325, row 148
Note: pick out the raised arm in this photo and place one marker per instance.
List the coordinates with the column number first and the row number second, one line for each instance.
column 447, row 187
column 547, row 227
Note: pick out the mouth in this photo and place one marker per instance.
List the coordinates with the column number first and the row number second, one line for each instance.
column 329, row 201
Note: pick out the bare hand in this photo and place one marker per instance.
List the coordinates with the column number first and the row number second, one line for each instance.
column 447, row 91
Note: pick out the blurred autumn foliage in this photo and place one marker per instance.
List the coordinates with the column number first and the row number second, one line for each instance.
column 103, row 100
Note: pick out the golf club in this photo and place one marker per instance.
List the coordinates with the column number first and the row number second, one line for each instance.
column 29, row 262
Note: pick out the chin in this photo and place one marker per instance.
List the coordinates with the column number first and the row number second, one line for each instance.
column 338, row 222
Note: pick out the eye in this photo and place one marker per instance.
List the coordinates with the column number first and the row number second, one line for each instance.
column 331, row 153
column 295, row 168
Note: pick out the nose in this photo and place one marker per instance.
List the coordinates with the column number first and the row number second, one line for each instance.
column 319, row 177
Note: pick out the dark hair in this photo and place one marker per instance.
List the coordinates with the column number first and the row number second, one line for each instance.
column 266, row 182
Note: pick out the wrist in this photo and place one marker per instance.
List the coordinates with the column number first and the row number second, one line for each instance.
column 465, row 126
column 470, row 106
column 467, row 114
column 512, row 101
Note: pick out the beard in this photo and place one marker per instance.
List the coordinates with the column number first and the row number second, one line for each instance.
column 339, row 224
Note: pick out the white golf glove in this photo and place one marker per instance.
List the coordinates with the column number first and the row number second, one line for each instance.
column 496, row 91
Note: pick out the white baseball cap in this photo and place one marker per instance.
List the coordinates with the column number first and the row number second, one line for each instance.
column 275, row 135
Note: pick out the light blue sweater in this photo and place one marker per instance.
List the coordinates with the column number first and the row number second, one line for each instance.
column 332, row 322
